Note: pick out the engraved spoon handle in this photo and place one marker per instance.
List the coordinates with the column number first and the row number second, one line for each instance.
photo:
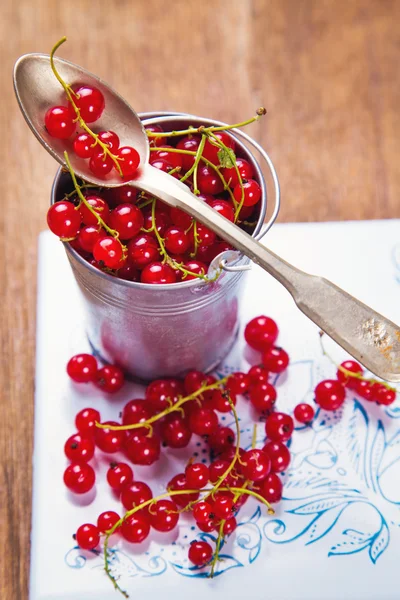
column 365, row 334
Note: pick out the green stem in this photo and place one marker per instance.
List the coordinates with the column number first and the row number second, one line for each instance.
column 213, row 128
column 215, row 559
column 198, row 155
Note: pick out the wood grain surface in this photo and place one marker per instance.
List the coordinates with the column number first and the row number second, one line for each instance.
column 327, row 72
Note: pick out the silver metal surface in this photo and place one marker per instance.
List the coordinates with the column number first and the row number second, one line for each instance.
column 368, row 336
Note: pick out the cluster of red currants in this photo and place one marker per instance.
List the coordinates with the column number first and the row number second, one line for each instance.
column 86, row 105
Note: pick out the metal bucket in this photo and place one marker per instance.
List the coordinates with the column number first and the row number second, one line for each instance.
column 154, row 331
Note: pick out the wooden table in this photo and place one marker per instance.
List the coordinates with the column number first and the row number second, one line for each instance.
column 327, row 72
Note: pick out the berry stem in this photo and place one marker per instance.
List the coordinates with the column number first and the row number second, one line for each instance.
column 215, row 558
column 70, row 95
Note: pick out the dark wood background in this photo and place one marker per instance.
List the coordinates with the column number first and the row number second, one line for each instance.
column 326, row 70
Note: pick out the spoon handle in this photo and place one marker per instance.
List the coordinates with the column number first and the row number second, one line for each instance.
column 365, row 334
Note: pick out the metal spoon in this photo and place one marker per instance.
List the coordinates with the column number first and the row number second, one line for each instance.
column 368, row 336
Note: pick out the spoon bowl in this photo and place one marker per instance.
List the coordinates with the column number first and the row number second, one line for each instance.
column 37, row 90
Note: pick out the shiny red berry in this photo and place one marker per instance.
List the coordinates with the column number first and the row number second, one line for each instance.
column 127, row 220
column 88, row 536
column 84, row 145
column 79, row 448
column 202, row 511
column 119, row 476
column 222, row 505
column 279, row 427
column 155, row 141
column 271, row 488
column 222, row 400
column 245, row 169
column 364, row 388
column 59, row 122
column 174, row 431
column 217, row 469
column 179, row 483
column 238, row 383
column 189, row 144
column 229, row 526
column 208, row 181
column 143, row 250
column 330, row 394
column 196, row 267
column 261, row 333
column 89, row 235
column 136, row 528
column 258, row 374
column 110, row 379
column 222, row 439
column 224, row 208
column 251, row 193
column 82, row 368
column 158, row 273
column 109, row 440
column 85, row 421
column 164, row 515
column 211, row 147
column 63, row 220
column 383, row 395
column 110, row 139
column 180, row 218
column 107, row 520
column 275, row 359
column 197, row 475
column 99, row 164
column 176, row 240
column 173, row 158
column 255, row 465
column 203, row 421
column 279, row 455
column 99, row 205
column 136, row 411
column 90, row 102
column 79, row 478
column 348, row 380
column 135, row 494
column 200, row 553
column 130, row 161
column 162, row 393
column 304, row 413
column 263, row 396
column 142, row 448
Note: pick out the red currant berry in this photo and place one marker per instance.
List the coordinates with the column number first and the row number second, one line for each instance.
column 124, row 194
column 79, row 478
column 173, row 158
column 100, row 207
column 109, row 440
column 176, row 240
column 130, row 161
column 255, row 464
column 189, row 144
column 110, row 139
column 383, row 395
column 208, row 181
column 119, row 476
column 261, row 333
column 161, row 165
column 175, row 432
column 89, row 236
column 88, row 536
column 129, row 273
column 136, row 411
column 346, row 379
column 364, row 388
column 180, row 218
column 217, row 469
column 143, row 449
column 90, row 102
column 63, row 220
column 329, row 394
column 83, row 145
column 203, row 421
column 207, row 526
column 222, row 400
column 79, row 448
column 252, row 192
column 211, row 148
column 85, row 421
column 193, row 381
column 82, row 368
column 207, row 253
column 263, row 396
column 155, row 141
column 135, row 528
column 205, row 236
column 99, row 164
column 158, row 273
column 245, row 169
column 59, row 122
column 229, row 526
column 304, row 413
column 164, row 515
column 107, row 520
column 110, row 379
column 279, row 455
column 238, row 383
column 179, row 483
column 275, row 359
column 135, row 494
column 197, row 475
column 127, row 219
column 161, row 394
column 143, row 250
column 279, row 427
column 161, row 219
column 196, row 267
column 202, row 512
column 222, row 439
column 222, row 505
column 258, row 374
column 200, row 553
column 224, row 208
column 271, row 488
